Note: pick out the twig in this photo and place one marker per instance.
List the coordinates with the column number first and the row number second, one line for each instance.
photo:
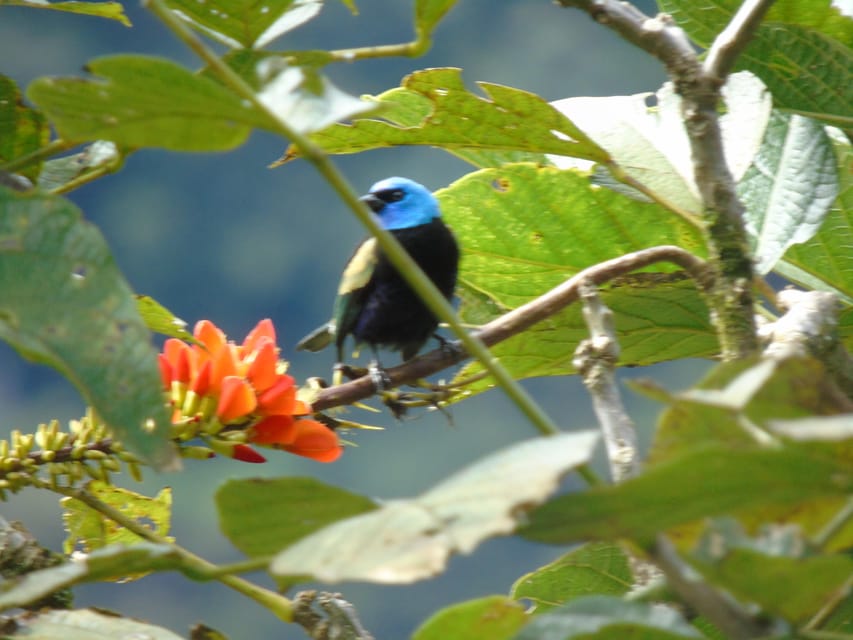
column 730, row 294
column 516, row 321
column 721, row 611
column 733, row 39
column 595, row 359
column 192, row 565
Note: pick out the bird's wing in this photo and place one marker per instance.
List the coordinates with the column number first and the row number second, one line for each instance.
column 360, row 268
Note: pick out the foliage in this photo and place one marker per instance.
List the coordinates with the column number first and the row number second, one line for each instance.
column 749, row 476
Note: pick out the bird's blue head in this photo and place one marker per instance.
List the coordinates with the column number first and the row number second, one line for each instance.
column 401, row 203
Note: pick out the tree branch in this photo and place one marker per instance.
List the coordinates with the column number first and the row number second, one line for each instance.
column 515, row 321
column 730, row 295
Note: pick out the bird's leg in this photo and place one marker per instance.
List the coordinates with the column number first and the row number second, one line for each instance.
column 450, row 347
column 343, row 370
column 380, row 379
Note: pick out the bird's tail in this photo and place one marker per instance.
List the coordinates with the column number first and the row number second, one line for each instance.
column 318, row 339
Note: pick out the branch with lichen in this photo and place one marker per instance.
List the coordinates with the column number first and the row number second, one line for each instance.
column 699, row 84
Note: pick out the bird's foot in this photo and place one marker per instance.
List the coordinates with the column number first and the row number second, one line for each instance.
column 452, row 348
column 342, row 370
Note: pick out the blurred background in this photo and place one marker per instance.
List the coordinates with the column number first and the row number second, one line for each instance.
column 222, row 237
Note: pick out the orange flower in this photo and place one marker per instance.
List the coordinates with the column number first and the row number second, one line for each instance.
column 216, row 386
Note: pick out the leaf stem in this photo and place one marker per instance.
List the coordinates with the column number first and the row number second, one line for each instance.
column 192, row 565
column 52, row 148
column 398, row 256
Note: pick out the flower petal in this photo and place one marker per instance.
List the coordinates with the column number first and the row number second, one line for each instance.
column 264, row 329
column 245, row 453
column 279, row 430
column 316, row 441
column 224, row 365
column 165, row 371
column 236, row 400
column 210, row 336
column 200, row 384
column 262, row 368
column 280, row 398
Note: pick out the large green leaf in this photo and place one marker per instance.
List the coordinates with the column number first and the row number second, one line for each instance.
column 110, row 10
column 605, row 618
column 451, row 117
column 802, row 52
column 408, row 540
column 707, row 481
column 597, row 568
column 263, row 516
column 825, row 262
column 22, row 130
column 245, row 23
column 65, row 303
column 84, row 624
column 651, row 144
column 525, row 229
column 492, row 617
column 140, row 101
column 789, row 188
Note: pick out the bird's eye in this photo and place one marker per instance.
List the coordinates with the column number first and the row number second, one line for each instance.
column 391, row 195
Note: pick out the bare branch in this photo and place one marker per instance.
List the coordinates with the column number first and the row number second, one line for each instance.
column 595, row 359
column 733, row 39
column 515, row 321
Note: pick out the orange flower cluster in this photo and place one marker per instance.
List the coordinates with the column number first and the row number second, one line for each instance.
column 232, row 394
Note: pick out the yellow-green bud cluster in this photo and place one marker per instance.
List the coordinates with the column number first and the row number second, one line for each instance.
column 63, row 458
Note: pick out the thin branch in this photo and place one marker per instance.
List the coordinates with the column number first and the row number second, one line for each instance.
column 52, row 148
column 595, row 359
column 732, row 40
column 516, row 321
column 193, row 565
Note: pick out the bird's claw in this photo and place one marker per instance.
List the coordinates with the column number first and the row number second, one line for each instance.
column 381, row 381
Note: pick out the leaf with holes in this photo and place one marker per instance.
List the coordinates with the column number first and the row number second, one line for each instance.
column 65, row 303
column 434, row 108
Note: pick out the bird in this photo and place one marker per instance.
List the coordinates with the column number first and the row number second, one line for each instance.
column 374, row 304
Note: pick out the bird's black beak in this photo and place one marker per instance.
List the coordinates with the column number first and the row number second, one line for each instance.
column 375, row 204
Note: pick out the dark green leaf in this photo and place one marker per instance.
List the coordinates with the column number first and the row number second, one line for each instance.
column 591, row 569
column 262, row 517
column 707, row 481
column 606, row 618
column 492, row 617
column 22, row 130
column 65, row 303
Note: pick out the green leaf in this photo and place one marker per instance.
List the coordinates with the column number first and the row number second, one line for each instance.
column 140, row 101
column 789, row 188
column 110, row 10
column 605, row 618
column 160, row 320
column 651, row 143
column 707, row 481
column 83, row 320
column 85, row 624
column 104, row 564
column 492, row 617
column 802, row 52
column 408, row 540
column 597, row 568
column 428, row 13
column 245, row 23
column 826, row 257
column 90, row 530
column 22, row 130
column 263, row 516
column 772, row 570
column 451, row 117
column 526, row 229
